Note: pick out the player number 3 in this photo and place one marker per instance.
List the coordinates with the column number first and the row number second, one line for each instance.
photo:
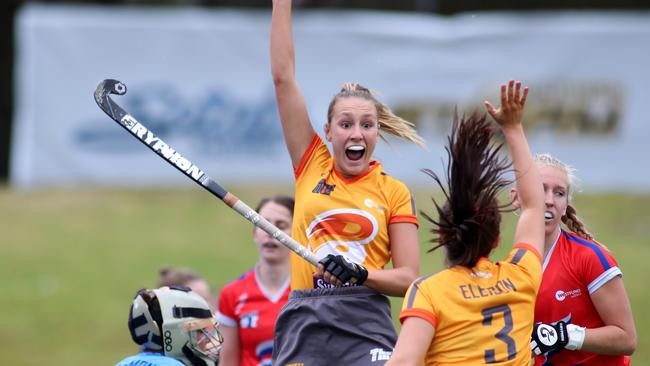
column 502, row 334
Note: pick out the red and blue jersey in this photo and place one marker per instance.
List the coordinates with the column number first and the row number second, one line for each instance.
column 247, row 305
column 574, row 269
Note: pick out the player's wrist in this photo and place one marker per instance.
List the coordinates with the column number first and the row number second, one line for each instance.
column 363, row 274
column 344, row 270
column 576, row 337
column 512, row 128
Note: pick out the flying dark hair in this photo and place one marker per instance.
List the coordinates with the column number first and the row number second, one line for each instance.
column 469, row 220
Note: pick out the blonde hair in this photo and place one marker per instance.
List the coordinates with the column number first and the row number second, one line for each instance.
column 547, row 159
column 388, row 121
column 570, row 218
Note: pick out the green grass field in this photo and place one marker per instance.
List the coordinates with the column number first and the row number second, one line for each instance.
column 70, row 261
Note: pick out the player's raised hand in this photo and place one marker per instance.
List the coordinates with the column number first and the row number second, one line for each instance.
column 513, row 100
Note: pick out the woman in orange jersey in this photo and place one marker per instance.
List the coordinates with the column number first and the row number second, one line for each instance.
column 476, row 311
column 582, row 291
column 350, row 213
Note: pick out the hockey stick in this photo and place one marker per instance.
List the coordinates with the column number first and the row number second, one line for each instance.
column 137, row 129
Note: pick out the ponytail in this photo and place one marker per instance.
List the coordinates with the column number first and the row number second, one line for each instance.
column 469, row 221
column 573, row 223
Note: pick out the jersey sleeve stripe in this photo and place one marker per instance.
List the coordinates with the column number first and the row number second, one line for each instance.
column 305, row 157
column 527, row 247
column 517, row 257
column 412, row 204
column 414, row 290
column 597, row 249
column 420, row 313
column 404, row 218
column 603, row 279
column 222, row 319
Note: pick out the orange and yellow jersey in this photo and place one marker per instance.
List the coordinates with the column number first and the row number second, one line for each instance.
column 481, row 315
column 334, row 215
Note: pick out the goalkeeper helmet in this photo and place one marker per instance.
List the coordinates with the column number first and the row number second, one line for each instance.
column 176, row 322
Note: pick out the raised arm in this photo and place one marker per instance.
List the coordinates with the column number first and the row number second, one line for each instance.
column 298, row 131
column 530, row 227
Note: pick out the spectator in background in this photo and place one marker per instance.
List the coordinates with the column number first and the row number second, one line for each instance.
column 181, row 276
column 476, row 311
column 174, row 327
column 249, row 306
column 582, row 290
column 349, row 212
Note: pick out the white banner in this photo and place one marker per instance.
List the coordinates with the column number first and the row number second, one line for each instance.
column 200, row 79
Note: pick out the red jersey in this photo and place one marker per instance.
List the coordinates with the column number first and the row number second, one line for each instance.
column 574, row 269
column 246, row 304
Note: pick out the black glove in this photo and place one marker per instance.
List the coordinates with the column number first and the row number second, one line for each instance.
column 549, row 337
column 345, row 271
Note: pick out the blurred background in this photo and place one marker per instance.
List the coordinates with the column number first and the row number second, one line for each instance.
column 88, row 215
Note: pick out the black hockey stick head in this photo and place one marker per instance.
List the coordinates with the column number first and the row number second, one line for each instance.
column 104, row 89
column 158, row 146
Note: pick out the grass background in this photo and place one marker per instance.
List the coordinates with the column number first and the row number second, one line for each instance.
column 70, row 261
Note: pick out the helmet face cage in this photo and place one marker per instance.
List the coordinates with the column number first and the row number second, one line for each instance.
column 190, row 332
column 206, row 338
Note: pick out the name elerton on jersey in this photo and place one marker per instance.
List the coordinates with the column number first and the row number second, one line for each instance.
column 161, row 147
column 471, row 291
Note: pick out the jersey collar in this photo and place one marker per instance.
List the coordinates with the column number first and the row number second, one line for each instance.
column 550, row 251
column 373, row 165
column 272, row 298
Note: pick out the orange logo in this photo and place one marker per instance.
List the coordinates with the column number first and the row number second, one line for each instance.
column 342, row 231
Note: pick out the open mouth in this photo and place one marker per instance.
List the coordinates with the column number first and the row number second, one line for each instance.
column 355, row 152
column 270, row 245
column 548, row 215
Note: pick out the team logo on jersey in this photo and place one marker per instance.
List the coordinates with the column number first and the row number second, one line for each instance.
column 323, row 188
column 482, row 274
column 370, row 204
column 249, row 320
column 342, row 231
column 560, row 295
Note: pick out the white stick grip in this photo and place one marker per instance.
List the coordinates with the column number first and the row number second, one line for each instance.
column 259, row 221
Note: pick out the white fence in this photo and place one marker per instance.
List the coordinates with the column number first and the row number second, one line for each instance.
column 200, row 79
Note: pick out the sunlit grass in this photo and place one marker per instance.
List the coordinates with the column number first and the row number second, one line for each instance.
column 70, row 261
